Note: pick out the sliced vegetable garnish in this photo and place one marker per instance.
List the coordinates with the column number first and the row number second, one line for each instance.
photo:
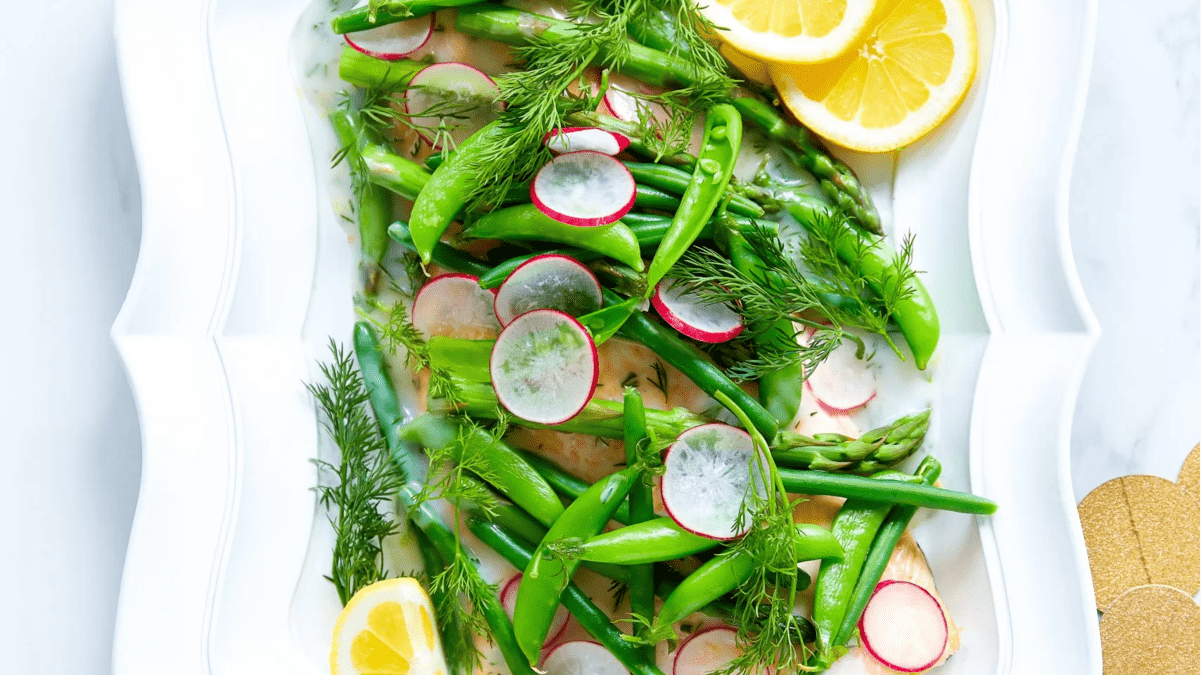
column 582, row 658
column 548, row 281
column 707, row 477
column 843, row 382
column 508, row 599
column 395, row 40
column 454, row 305
column 544, row 367
column 707, row 651
column 622, row 100
column 584, row 188
column 904, row 627
column 574, row 139
column 688, row 313
column 452, row 99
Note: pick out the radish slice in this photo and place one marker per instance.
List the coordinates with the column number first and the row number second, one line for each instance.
column 508, row 600
column 707, row 476
column 461, row 98
column 622, row 103
column 584, row 188
column 581, row 658
column 395, row 40
column 548, row 281
column 709, row 650
column 843, row 382
column 904, row 627
column 573, row 139
column 454, row 305
column 692, row 316
column 544, row 367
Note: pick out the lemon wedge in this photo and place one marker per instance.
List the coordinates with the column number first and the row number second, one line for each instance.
column 909, row 72
column 789, row 31
column 387, row 628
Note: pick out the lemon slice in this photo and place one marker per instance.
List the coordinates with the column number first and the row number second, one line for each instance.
column 387, row 628
column 907, row 74
column 789, row 31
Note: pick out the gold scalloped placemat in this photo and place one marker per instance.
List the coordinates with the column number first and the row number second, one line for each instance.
column 1151, row 630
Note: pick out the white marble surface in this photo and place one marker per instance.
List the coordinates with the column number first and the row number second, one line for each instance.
column 71, row 451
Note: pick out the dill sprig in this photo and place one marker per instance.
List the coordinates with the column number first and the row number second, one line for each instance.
column 399, row 335
column 366, row 477
column 456, row 591
column 763, row 607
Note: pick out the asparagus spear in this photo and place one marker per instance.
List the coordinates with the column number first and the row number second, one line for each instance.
column 877, row 449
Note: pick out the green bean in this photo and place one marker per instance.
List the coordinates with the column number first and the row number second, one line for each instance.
column 497, row 275
column 880, row 552
column 858, row 487
column 667, row 344
column 507, row 471
column 647, row 197
column 448, row 190
column 780, row 390
column 568, row 486
column 649, row 228
column 642, row 506
column 369, row 72
column 526, row 222
column 544, row 577
column 714, row 167
column 674, row 181
column 433, row 161
column 373, row 207
column 915, row 314
column 724, row 573
column 446, row 256
column 361, row 18
column 591, row 617
column 382, row 398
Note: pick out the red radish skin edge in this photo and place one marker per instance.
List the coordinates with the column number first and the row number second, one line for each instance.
column 549, row 652
column 496, row 291
column 937, row 606
column 837, row 411
column 663, row 493
column 587, row 222
column 408, row 111
column 509, row 588
column 623, row 141
column 591, row 345
column 675, row 662
column 391, row 56
column 686, row 328
column 429, row 284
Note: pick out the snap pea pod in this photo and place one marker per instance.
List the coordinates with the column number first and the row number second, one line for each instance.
column 640, row 543
column 373, row 206
column 724, row 573
column 674, row 181
column 369, row 72
column 915, row 314
column 466, row 358
column 602, row 419
column 606, row 321
column 446, row 256
column 650, row 228
column 642, row 506
column 647, row 197
column 855, row 526
column 685, row 358
column 591, row 617
column 880, row 552
column 382, row 399
column 508, row 472
column 567, row 485
column 448, row 190
column 714, row 167
column 545, row 576
column 780, row 390
column 526, row 223
column 361, row 18
column 385, row 169
column 858, row 487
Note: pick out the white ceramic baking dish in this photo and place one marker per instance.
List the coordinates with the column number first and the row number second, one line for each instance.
column 245, row 274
